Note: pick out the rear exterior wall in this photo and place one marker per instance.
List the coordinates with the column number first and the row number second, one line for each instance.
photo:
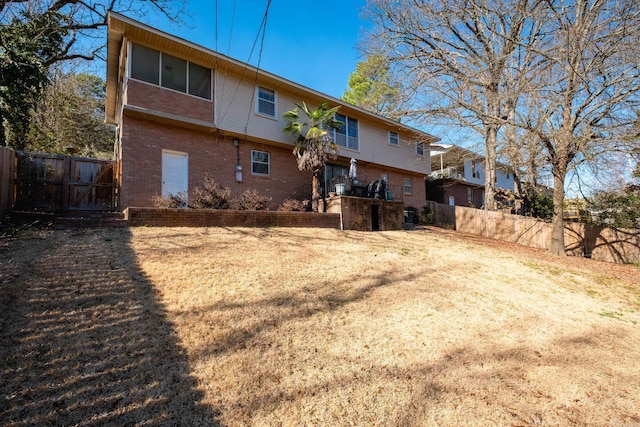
column 142, row 143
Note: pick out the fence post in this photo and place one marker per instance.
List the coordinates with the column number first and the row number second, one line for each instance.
column 66, row 172
column 7, row 172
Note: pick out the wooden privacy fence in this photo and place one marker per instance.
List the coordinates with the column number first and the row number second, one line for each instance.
column 7, row 168
column 52, row 182
column 601, row 243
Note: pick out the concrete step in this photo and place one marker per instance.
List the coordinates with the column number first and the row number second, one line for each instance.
column 89, row 219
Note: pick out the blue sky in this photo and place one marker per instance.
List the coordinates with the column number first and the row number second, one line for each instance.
column 312, row 43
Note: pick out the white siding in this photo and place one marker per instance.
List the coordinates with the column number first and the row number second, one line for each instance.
column 505, row 180
column 235, row 111
column 501, row 176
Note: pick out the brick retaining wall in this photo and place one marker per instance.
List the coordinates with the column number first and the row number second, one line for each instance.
column 160, row 217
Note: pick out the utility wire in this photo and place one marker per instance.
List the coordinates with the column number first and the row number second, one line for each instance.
column 261, row 30
column 255, row 81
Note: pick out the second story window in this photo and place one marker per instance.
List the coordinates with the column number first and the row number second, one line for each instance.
column 151, row 66
column 475, row 171
column 199, row 81
column 145, row 64
column 420, row 149
column 266, row 101
column 393, row 138
column 174, row 73
column 347, row 135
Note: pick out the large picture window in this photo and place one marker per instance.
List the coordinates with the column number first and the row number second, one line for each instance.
column 152, row 66
column 199, row 81
column 145, row 64
column 174, row 73
column 347, row 135
column 260, row 162
column 266, row 101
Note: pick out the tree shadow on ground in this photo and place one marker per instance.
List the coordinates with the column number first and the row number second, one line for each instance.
column 83, row 340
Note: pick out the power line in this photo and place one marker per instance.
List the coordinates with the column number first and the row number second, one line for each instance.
column 255, row 82
column 261, row 30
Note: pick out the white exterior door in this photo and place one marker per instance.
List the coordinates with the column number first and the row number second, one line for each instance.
column 452, row 201
column 175, row 172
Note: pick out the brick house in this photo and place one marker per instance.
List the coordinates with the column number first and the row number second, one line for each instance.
column 458, row 176
column 183, row 111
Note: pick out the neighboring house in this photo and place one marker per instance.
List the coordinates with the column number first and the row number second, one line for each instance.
column 458, row 176
column 184, row 111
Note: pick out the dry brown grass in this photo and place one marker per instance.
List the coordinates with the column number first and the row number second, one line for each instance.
column 312, row 327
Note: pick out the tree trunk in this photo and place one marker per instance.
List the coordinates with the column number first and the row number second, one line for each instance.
column 490, row 168
column 557, row 224
column 315, row 192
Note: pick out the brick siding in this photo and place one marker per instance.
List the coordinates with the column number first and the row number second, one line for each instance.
column 165, row 100
column 212, row 154
column 142, row 143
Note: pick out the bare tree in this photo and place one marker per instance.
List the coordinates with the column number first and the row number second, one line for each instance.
column 587, row 95
column 79, row 19
column 469, row 59
column 69, row 118
column 36, row 34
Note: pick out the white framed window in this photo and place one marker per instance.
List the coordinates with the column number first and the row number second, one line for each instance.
column 347, row 135
column 420, row 149
column 161, row 69
column 470, row 195
column 408, row 186
column 266, row 102
column 260, row 163
column 393, row 138
column 475, row 170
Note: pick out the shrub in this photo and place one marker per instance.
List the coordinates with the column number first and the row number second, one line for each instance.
column 178, row 200
column 427, row 215
column 294, row 205
column 211, row 195
column 251, row 200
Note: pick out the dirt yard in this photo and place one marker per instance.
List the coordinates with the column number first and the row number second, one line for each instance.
column 268, row 327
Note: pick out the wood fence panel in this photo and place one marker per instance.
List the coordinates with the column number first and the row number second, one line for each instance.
column 90, row 184
column 443, row 215
column 531, row 232
column 39, row 182
column 51, row 182
column 613, row 244
column 600, row 243
column 7, row 171
column 506, row 227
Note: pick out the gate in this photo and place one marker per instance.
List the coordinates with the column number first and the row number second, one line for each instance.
column 52, row 182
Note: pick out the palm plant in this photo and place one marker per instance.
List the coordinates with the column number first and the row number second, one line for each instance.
column 314, row 144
